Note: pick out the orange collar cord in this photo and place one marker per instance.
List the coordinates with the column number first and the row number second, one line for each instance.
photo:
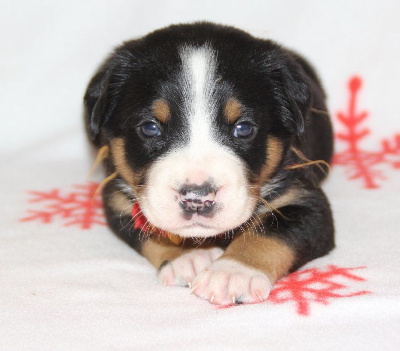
column 308, row 162
column 139, row 219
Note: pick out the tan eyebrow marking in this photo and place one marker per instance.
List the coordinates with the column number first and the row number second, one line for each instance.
column 232, row 110
column 161, row 110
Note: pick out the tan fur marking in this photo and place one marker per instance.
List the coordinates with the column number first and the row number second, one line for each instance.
column 121, row 204
column 159, row 250
column 233, row 110
column 161, row 110
column 274, row 155
column 274, row 149
column 267, row 254
column 119, row 158
column 290, row 197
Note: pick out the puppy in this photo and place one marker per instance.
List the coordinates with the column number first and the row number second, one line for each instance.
column 218, row 144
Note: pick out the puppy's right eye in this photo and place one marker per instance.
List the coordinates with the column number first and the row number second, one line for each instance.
column 243, row 130
column 150, row 130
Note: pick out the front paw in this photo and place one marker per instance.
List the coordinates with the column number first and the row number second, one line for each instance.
column 182, row 270
column 227, row 282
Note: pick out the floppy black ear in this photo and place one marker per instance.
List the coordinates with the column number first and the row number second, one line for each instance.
column 104, row 90
column 97, row 101
column 293, row 95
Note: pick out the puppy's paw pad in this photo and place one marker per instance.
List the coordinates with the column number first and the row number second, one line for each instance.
column 185, row 268
column 228, row 282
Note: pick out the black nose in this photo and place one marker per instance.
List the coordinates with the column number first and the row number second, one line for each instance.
column 197, row 198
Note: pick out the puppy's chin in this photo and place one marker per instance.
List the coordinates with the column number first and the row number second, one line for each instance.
column 196, row 231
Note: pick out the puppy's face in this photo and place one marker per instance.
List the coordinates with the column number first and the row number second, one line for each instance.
column 197, row 125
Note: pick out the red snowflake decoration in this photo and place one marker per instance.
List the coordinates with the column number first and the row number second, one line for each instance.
column 360, row 163
column 314, row 285
column 81, row 207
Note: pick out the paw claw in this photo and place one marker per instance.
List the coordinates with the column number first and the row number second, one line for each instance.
column 193, row 289
column 183, row 270
column 230, row 282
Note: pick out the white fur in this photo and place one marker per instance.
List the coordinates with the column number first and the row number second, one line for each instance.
column 199, row 159
column 199, row 71
column 226, row 282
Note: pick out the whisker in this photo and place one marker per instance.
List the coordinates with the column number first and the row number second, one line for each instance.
column 128, row 223
column 260, row 222
column 252, row 225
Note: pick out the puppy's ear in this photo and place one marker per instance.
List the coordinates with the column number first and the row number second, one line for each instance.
column 293, row 95
column 97, row 100
column 104, row 91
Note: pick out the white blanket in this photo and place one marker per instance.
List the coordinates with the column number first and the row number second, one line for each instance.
column 67, row 283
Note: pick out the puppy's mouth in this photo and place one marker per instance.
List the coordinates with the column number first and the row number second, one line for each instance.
column 197, row 224
column 195, row 228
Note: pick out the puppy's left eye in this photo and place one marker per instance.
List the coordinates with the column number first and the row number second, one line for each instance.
column 150, row 130
column 244, row 130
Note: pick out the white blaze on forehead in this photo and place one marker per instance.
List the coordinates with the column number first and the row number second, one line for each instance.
column 199, row 75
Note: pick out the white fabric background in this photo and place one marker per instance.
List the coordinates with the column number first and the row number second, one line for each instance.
column 62, row 288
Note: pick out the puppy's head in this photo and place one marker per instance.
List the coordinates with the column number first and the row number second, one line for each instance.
column 198, row 118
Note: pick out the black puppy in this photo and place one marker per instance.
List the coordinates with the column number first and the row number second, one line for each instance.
column 219, row 142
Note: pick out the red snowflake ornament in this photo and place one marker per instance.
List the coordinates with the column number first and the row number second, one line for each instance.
column 315, row 285
column 362, row 164
column 82, row 207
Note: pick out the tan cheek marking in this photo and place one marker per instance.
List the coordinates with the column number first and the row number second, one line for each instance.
column 274, row 150
column 121, row 204
column 161, row 110
column 267, row 254
column 233, row 110
column 159, row 250
column 274, row 155
column 119, row 158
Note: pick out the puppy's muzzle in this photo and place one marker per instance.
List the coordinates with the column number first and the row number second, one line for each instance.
column 198, row 199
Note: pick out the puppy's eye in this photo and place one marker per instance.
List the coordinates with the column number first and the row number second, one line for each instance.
column 244, row 130
column 150, row 130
